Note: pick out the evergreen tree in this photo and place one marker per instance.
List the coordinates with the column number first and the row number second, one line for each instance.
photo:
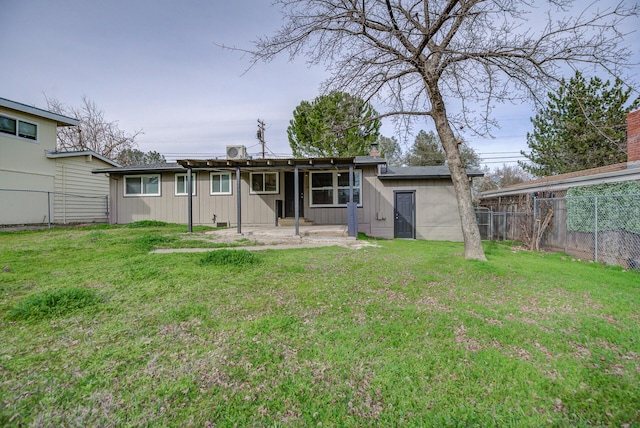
column 427, row 151
column 337, row 124
column 582, row 126
column 129, row 157
column 390, row 150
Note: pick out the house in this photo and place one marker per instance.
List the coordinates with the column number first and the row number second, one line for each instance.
column 574, row 212
column 240, row 191
column 509, row 198
column 37, row 183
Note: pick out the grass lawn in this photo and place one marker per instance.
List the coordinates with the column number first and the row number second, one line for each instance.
column 97, row 331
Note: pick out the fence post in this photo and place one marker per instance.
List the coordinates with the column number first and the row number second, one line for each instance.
column 490, row 218
column 595, row 229
column 504, row 226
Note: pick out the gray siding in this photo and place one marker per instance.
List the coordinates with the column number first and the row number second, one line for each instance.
column 257, row 210
column 437, row 215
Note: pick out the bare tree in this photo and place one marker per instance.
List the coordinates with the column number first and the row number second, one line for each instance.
column 431, row 58
column 94, row 133
column 504, row 176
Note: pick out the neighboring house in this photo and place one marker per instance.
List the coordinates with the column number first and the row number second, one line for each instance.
column 388, row 202
column 39, row 185
column 594, row 225
column 519, row 195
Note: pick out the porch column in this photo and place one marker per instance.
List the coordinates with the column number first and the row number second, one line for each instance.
column 238, row 200
column 296, row 199
column 190, row 200
column 352, row 211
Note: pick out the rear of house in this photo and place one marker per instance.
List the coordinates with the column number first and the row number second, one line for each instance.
column 414, row 203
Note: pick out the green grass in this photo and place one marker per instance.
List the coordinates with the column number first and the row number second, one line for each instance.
column 404, row 334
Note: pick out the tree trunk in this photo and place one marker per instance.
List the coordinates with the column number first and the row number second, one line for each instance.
column 471, row 234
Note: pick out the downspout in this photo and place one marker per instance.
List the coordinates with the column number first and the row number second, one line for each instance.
column 352, row 211
column 64, row 196
column 296, row 200
column 190, row 199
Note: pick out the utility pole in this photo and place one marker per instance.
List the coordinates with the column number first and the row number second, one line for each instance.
column 260, row 134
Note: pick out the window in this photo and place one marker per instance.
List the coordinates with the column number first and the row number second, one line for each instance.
column 18, row 128
column 220, row 183
column 332, row 188
column 142, row 185
column 182, row 183
column 264, row 182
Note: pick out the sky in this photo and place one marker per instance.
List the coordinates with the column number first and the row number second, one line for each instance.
column 156, row 66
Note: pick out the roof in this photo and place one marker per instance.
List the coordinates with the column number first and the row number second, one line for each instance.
column 281, row 163
column 618, row 172
column 421, row 172
column 142, row 169
column 52, row 154
column 23, row 108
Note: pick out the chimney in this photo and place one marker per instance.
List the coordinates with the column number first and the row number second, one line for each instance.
column 375, row 152
column 633, row 139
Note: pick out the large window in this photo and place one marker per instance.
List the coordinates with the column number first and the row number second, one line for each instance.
column 182, row 182
column 331, row 188
column 142, row 185
column 264, row 182
column 220, row 183
column 18, row 128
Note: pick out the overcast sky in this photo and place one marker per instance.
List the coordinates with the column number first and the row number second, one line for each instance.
column 154, row 66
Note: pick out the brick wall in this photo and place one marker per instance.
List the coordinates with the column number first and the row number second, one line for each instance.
column 633, row 136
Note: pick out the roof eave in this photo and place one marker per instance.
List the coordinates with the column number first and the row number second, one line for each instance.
column 52, row 154
column 34, row 111
column 550, row 186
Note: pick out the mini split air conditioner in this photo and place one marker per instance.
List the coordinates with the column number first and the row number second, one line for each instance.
column 236, row 152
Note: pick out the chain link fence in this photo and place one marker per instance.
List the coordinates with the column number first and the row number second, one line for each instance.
column 598, row 228
column 37, row 207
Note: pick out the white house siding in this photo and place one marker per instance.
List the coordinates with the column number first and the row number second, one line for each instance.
column 26, row 175
column 80, row 196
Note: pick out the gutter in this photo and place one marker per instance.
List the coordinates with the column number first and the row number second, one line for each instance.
column 602, row 178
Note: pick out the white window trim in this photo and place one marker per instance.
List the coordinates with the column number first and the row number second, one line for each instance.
column 137, row 195
column 264, row 192
column 194, row 182
column 17, row 134
column 335, row 188
column 211, row 192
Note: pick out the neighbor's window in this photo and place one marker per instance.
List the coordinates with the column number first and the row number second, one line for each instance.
column 142, row 185
column 182, row 184
column 331, row 188
column 18, row 128
column 220, row 183
column 264, row 182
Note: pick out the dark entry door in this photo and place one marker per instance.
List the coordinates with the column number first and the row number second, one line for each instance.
column 404, row 214
column 289, row 194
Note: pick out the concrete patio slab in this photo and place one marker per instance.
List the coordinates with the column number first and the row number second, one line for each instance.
column 277, row 238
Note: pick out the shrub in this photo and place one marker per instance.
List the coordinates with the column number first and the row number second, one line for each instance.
column 229, row 257
column 147, row 223
column 53, row 303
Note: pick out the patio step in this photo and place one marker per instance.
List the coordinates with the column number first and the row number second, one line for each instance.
column 292, row 222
